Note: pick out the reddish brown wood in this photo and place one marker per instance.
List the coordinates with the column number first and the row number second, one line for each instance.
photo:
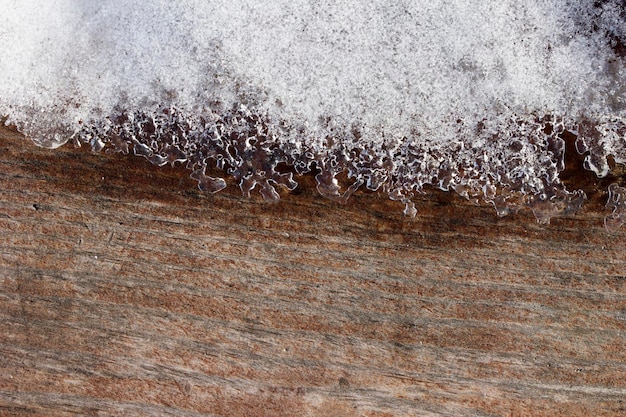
column 126, row 291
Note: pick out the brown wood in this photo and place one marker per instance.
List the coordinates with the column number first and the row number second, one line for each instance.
column 126, row 291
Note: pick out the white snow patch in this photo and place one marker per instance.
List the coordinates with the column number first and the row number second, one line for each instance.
column 433, row 77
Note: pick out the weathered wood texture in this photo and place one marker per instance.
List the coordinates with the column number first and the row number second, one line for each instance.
column 126, row 291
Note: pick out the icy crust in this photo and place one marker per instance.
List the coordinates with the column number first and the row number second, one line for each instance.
column 511, row 162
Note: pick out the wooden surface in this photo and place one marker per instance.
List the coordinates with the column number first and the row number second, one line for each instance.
column 126, row 291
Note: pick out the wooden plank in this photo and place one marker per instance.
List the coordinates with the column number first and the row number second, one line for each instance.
column 126, row 291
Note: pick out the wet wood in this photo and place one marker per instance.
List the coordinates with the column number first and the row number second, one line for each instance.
column 126, row 291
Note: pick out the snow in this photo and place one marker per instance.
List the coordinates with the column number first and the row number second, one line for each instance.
column 433, row 75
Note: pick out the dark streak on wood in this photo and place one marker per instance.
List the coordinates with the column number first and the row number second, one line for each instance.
column 125, row 291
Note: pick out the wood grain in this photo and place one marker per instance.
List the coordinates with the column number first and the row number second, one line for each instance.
column 126, row 291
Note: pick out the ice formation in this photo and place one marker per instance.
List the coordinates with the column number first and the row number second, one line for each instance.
column 470, row 96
